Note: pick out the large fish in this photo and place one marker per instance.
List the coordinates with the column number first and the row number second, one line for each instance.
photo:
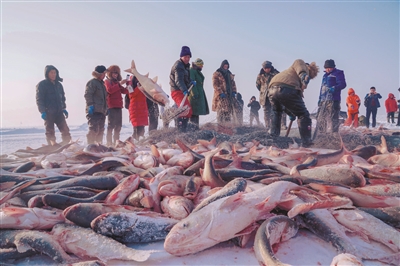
column 84, row 243
column 368, row 225
column 389, row 215
column 121, row 192
column 149, row 86
column 139, row 227
column 176, row 207
column 359, row 198
column 272, row 231
column 208, row 226
column 83, row 214
column 209, row 175
column 61, row 201
column 29, row 218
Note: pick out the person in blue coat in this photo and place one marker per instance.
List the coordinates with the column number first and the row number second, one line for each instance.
column 371, row 101
column 333, row 82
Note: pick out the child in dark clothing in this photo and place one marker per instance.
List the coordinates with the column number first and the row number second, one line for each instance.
column 254, row 107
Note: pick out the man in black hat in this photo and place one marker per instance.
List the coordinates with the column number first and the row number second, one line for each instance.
column 333, row 82
column 50, row 99
column 96, row 105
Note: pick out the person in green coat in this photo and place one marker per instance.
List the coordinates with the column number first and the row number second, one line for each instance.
column 197, row 96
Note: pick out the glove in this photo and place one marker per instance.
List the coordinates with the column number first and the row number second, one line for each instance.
column 222, row 95
column 91, row 110
column 305, row 79
column 331, row 90
column 44, row 115
column 193, row 82
column 185, row 92
column 292, row 118
column 233, row 94
column 65, row 113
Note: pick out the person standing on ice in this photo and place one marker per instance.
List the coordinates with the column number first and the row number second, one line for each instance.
column 138, row 111
column 267, row 72
column 197, row 96
column 398, row 114
column 239, row 108
column 371, row 101
column 391, row 107
column 224, row 99
column 114, row 89
column 254, row 107
column 353, row 104
column 96, row 105
column 179, row 80
column 50, row 100
column 333, row 82
column 285, row 93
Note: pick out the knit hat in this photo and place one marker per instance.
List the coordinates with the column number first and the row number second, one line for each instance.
column 100, row 69
column 267, row 64
column 330, row 63
column 185, row 51
column 198, row 62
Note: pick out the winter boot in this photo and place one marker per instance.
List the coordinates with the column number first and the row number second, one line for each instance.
column 276, row 124
column 305, row 132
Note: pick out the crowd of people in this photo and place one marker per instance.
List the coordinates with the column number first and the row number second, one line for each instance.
column 280, row 94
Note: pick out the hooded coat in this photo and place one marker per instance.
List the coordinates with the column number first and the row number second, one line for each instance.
column 391, row 103
column 291, row 77
column 197, row 96
column 114, row 88
column 352, row 102
column 220, row 84
column 138, row 112
column 50, row 97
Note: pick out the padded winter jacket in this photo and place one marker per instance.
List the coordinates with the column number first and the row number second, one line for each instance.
column 114, row 90
column 372, row 100
column 50, row 97
column 352, row 102
column 291, row 77
column 138, row 112
column 334, row 79
column 391, row 103
column 262, row 82
column 95, row 94
column 179, row 78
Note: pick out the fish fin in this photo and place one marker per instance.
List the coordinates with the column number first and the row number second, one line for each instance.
column 248, row 230
column 147, row 75
column 155, row 79
column 260, row 206
column 382, row 148
column 133, row 65
column 237, row 162
column 230, row 203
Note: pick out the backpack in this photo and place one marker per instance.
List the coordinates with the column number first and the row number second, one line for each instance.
column 126, row 101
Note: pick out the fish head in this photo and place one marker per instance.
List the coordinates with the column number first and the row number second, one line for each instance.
column 189, row 235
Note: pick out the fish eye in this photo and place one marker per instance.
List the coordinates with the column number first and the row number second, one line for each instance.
column 185, row 225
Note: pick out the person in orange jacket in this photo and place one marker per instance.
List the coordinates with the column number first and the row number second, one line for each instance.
column 391, row 107
column 353, row 103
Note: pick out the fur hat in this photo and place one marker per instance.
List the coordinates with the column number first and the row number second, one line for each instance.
column 313, row 70
column 114, row 69
column 98, row 71
column 48, row 68
column 330, row 63
column 185, row 51
column 198, row 62
column 267, row 64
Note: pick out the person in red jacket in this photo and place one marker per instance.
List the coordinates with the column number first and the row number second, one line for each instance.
column 353, row 104
column 114, row 90
column 138, row 111
column 391, row 107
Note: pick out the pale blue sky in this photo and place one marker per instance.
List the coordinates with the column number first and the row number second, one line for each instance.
column 75, row 36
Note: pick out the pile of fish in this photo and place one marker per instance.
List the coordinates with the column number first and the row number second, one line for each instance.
column 82, row 205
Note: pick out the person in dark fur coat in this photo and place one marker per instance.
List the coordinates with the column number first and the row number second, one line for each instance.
column 224, row 99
